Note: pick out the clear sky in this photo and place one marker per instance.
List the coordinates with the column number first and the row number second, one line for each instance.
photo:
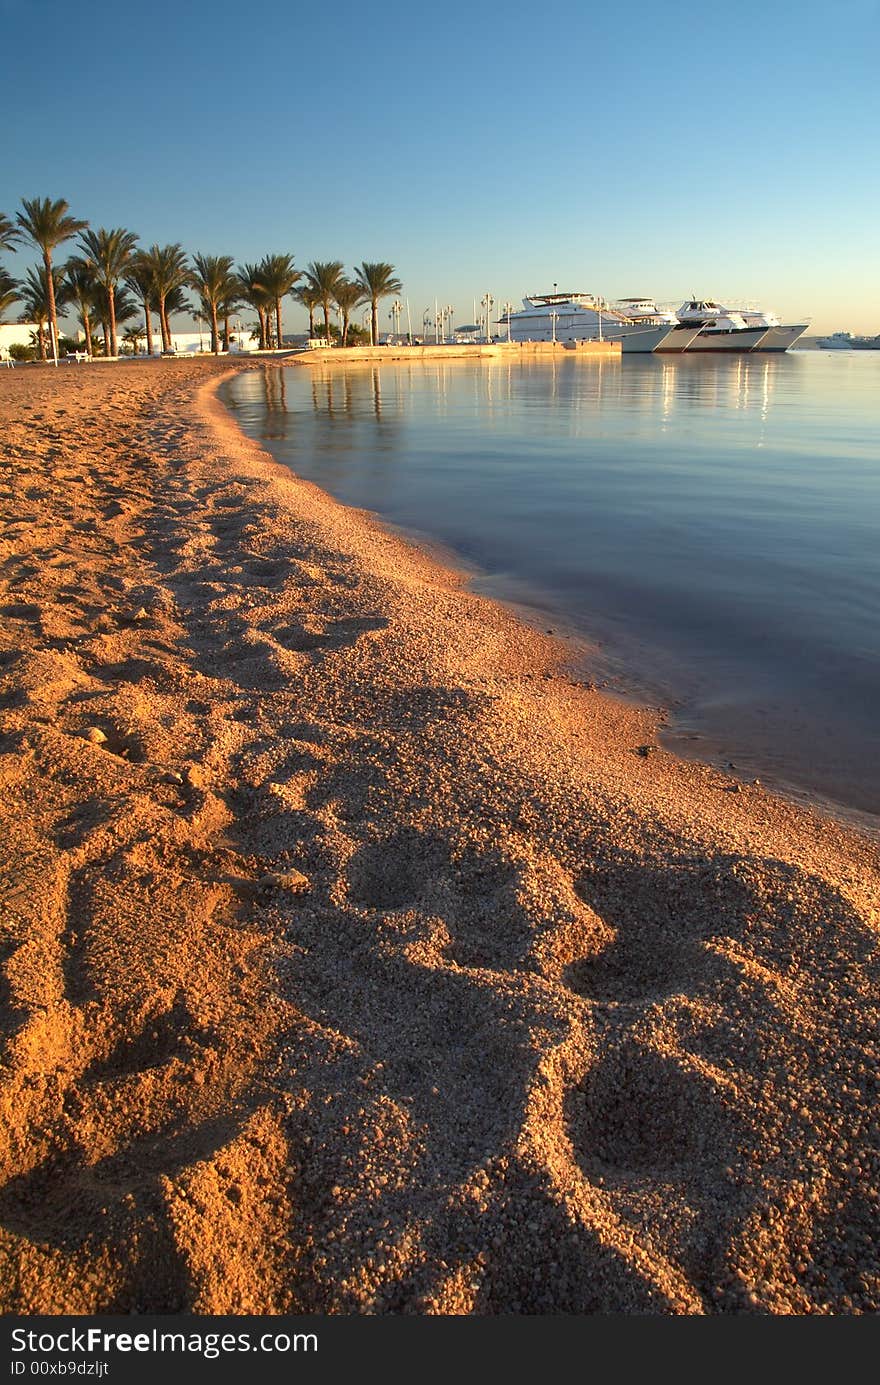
column 663, row 149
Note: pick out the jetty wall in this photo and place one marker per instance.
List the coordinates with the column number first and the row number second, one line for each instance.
column 353, row 355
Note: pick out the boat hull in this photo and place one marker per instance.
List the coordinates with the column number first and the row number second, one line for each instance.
column 663, row 339
column 781, row 338
column 729, row 339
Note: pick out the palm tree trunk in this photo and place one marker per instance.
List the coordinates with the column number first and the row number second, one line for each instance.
column 226, row 332
column 374, row 322
column 215, row 336
column 326, row 306
column 42, row 341
column 87, row 328
column 50, row 292
column 149, row 328
column 106, row 333
column 344, row 328
column 278, row 321
column 163, row 325
column 111, row 304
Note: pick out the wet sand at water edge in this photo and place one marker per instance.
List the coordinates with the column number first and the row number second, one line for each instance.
column 355, row 957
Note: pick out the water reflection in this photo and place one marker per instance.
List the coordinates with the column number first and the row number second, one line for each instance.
column 656, row 386
column 275, row 400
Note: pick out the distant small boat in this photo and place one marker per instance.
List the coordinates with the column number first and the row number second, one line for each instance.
column 845, row 341
column 838, row 341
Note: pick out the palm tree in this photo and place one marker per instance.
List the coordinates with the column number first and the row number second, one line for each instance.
column 110, row 254
column 377, row 281
column 8, row 292
column 35, row 300
column 214, row 281
column 255, row 294
column 48, row 224
column 139, row 278
column 125, row 305
column 229, row 303
column 40, row 293
column 83, row 287
column 175, row 303
column 323, row 277
column 349, row 295
column 278, row 278
column 124, row 309
column 310, row 299
column 170, row 269
column 134, row 336
column 9, row 233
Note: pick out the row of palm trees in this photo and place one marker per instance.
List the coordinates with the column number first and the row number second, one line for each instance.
column 112, row 280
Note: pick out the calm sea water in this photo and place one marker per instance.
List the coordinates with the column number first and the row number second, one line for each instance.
column 711, row 523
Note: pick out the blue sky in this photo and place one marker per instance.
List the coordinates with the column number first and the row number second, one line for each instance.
column 621, row 149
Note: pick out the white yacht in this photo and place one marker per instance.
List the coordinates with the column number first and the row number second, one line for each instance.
column 572, row 317
column 780, row 336
column 668, row 336
column 639, row 325
column 653, row 328
column 561, row 317
column 721, row 329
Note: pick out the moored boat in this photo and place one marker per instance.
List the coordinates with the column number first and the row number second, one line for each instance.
column 570, row 317
column 652, row 328
column 640, row 326
column 838, row 341
column 721, row 329
column 845, row 341
column 780, row 336
column 553, row 317
column 665, row 338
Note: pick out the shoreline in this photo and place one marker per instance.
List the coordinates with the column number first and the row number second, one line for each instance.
column 620, row 663
column 368, row 962
column 571, row 650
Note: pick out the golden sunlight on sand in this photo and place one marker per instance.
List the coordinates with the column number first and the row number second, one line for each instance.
column 353, row 958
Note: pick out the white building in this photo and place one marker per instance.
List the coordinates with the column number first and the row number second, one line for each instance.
column 16, row 334
column 187, row 343
column 184, row 343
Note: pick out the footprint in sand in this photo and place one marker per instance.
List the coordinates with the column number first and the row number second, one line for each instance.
column 473, row 892
column 640, row 1111
column 263, row 572
column 21, row 610
column 325, row 634
column 661, row 920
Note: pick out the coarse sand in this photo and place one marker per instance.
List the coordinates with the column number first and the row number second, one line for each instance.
column 355, row 956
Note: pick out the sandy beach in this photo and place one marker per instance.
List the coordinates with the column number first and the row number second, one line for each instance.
column 356, row 957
